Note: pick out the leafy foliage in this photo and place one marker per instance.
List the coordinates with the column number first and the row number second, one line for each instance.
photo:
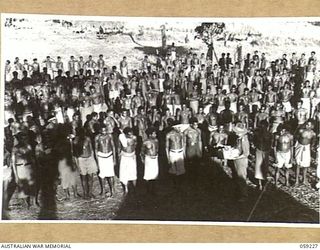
column 208, row 31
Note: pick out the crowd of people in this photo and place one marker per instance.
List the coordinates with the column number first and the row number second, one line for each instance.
column 173, row 113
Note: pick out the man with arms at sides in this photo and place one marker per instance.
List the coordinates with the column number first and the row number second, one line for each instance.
column 124, row 120
column 193, row 148
column 106, row 156
column 128, row 161
column 175, row 153
column 262, row 140
column 149, row 156
column 301, row 114
column 306, row 138
column 283, row 151
column 262, row 115
column 85, row 161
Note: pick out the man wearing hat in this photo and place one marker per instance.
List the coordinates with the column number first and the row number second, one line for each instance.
column 240, row 163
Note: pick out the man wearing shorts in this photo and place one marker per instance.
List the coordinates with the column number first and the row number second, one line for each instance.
column 85, row 161
column 106, row 153
column 283, row 151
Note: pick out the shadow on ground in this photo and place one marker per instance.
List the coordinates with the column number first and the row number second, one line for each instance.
column 212, row 199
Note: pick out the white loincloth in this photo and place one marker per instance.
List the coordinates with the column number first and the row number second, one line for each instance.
column 106, row 164
column 249, row 84
column 128, row 167
column 306, row 104
column 151, row 168
column 59, row 115
column 233, row 107
column 287, row 106
column 173, row 108
column 302, row 155
column 97, row 108
column 161, row 84
column 113, row 94
column 220, row 108
column 176, row 161
column 283, row 159
column 84, row 111
column 212, row 128
column 206, row 109
column 70, row 113
column 194, row 105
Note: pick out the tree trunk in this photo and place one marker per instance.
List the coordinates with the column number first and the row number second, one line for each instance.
column 212, row 53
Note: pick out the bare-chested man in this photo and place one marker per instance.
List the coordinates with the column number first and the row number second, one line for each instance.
column 106, row 156
column 128, row 161
column 306, row 138
column 242, row 116
column 124, row 120
column 175, row 152
column 277, row 117
column 220, row 99
column 137, row 101
column 262, row 115
column 193, row 142
column 140, row 121
column 96, row 100
column 149, row 156
column 283, row 151
column 85, row 161
column 301, row 114
column 285, row 96
column 270, row 97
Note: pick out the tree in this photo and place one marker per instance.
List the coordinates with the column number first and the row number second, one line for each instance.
column 208, row 32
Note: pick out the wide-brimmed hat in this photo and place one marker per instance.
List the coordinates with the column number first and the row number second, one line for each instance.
column 240, row 129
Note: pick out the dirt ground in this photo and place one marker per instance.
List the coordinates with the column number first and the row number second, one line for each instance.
column 210, row 198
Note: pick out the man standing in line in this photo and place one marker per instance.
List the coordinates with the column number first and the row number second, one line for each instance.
column 283, row 151
column 149, row 156
column 193, row 147
column 305, row 139
column 128, row 161
column 175, row 153
column 106, row 156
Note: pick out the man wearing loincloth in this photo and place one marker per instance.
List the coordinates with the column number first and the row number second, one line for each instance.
column 277, row 117
column 149, row 156
column 262, row 115
column 301, row 114
column 106, row 156
column 283, row 151
column 128, row 161
column 306, row 138
column 175, row 153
